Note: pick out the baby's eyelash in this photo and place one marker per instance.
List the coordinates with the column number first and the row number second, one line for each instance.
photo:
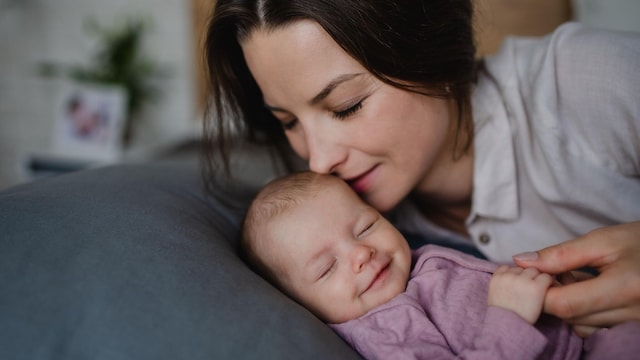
column 348, row 112
column 328, row 270
column 365, row 229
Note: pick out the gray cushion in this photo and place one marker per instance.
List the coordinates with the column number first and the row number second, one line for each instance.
column 135, row 262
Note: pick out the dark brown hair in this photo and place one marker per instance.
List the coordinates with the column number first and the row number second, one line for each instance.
column 424, row 46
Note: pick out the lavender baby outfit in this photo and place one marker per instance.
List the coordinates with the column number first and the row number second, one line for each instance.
column 444, row 314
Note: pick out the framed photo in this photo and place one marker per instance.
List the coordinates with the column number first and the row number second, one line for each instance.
column 89, row 122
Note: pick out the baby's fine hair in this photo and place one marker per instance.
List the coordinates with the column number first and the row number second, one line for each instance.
column 274, row 199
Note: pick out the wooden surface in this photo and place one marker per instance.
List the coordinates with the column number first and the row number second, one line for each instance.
column 496, row 19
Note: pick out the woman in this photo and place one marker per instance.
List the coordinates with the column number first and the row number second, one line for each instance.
column 535, row 146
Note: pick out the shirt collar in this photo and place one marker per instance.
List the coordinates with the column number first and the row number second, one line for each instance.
column 495, row 189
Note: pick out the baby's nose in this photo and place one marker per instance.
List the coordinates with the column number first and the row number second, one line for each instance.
column 361, row 256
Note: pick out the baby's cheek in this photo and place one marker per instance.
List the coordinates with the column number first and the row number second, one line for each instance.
column 341, row 314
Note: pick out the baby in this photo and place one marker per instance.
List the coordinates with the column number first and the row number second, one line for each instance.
column 316, row 240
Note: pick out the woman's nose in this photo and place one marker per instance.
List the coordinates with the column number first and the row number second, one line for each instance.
column 325, row 152
column 361, row 255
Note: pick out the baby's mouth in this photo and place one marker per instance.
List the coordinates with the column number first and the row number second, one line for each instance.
column 381, row 275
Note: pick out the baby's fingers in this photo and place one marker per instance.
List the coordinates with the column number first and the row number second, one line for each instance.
column 544, row 280
column 530, row 273
column 502, row 269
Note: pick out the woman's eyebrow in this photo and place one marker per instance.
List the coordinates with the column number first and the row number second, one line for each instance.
column 331, row 86
column 322, row 94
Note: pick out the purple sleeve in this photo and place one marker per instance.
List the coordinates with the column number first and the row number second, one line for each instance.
column 405, row 332
column 618, row 342
column 505, row 335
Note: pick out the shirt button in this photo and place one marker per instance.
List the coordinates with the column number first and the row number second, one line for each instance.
column 484, row 238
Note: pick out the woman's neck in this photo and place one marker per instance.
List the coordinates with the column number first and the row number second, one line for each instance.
column 449, row 216
column 445, row 196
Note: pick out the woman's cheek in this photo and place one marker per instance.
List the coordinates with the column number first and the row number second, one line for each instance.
column 299, row 145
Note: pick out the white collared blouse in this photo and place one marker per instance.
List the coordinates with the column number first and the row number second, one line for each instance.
column 557, row 142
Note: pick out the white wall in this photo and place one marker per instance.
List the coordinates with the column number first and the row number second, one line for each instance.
column 609, row 14
column 32, row 31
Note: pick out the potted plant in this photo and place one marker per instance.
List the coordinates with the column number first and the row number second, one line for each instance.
column 118, row 60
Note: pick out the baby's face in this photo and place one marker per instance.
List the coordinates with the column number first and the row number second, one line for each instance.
column 339, row 256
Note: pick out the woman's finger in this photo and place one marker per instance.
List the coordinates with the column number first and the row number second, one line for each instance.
column 611, row 290
column 607, row 318
column 595, row 249
column 585, row 331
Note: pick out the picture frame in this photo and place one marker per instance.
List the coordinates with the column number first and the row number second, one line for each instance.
column 89, row 122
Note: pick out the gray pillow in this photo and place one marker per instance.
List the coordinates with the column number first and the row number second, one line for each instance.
column 135, row 262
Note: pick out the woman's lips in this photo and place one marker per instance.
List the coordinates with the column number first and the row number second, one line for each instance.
column 360, row 183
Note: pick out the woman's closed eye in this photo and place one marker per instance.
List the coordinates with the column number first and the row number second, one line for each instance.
column 288, row 125
column 343, row 114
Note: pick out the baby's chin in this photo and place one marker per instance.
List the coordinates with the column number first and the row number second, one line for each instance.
column 363, row 309
column 344, row 317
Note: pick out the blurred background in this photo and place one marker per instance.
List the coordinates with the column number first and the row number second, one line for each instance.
column 152, row 50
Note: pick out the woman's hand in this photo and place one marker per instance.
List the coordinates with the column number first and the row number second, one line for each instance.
column 608, row 299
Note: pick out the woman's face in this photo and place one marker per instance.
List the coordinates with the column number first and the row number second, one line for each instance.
column 382, row 140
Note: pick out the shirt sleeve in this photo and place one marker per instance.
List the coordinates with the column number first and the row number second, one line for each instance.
column 596, row 87
column 405, row 332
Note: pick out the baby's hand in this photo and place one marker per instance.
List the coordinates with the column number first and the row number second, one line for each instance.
column 519, row 290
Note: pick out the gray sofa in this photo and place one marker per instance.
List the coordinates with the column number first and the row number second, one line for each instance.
column 135, row 262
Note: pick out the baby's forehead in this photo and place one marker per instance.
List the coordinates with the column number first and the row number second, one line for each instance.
column 284, row 209
column 290, row 230
column 282, row 257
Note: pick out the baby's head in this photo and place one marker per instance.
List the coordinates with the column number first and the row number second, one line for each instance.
column 314, row 238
